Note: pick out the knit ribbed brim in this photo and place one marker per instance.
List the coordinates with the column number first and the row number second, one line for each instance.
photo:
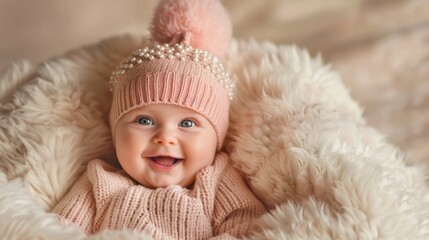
column 184, row 83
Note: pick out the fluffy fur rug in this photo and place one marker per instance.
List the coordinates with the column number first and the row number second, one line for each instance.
column 296, row 135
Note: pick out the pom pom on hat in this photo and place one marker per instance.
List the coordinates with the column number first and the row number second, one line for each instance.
column 206, row 22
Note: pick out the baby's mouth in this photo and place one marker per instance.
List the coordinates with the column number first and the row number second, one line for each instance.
column 165, row 161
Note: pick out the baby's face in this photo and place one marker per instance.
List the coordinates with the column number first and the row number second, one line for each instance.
column 161, row 145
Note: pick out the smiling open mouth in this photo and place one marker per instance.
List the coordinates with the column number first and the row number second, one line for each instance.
column 165, row 161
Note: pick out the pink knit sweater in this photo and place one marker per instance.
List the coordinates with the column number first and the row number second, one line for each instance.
column 220, row 204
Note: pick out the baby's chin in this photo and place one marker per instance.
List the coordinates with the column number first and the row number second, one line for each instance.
column 185, row 183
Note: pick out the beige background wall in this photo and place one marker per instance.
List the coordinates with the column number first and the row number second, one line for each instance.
column 37, row 30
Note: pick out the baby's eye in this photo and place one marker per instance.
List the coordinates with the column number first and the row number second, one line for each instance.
column 144, row 120
column 187, row 123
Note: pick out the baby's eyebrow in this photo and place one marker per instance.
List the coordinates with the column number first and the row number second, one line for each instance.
column 193, row 115
column 139, row 111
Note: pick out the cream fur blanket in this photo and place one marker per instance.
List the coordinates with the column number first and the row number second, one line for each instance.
column 296, row 135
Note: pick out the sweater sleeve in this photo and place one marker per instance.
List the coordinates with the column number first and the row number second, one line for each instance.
column 236, row 207
column 78, row 206
column 87, row 201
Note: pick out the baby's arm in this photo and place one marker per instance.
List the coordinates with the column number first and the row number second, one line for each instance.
column 89, row 198
column 78, row 206
column 236, row 207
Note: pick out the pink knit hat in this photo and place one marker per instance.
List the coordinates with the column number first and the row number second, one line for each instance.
column 182, row 66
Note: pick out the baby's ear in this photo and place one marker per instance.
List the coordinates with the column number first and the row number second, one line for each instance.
column 114, row 140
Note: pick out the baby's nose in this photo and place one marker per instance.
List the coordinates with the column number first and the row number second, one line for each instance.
column 165, row 139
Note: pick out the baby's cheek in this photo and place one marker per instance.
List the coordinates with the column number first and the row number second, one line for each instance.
column 205, row 146
column 129, row 138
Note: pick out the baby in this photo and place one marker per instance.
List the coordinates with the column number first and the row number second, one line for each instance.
column 169, row 118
